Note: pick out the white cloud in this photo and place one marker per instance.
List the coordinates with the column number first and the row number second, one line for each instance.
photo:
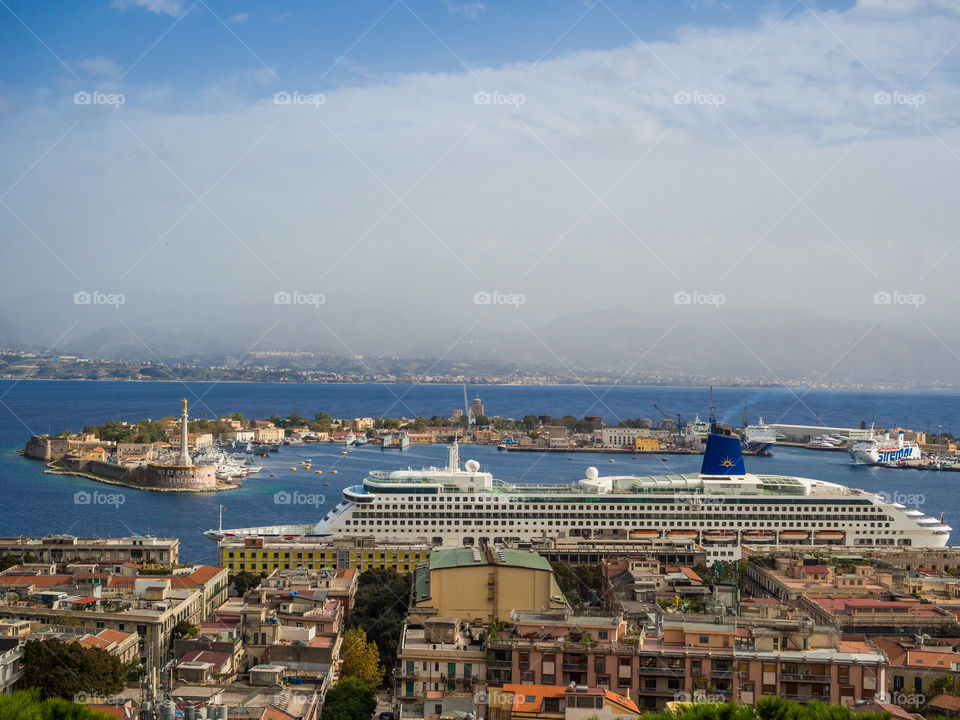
column 99, row 65
column 508, row 192
column 159, row 7
column 282, row 19
column 470, row 10
column 240, row 17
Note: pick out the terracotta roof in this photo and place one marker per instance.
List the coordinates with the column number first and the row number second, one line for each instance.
column 691, row 574
column 946, row 702
column 815, row 569
column 86, row 601
column 529, row 698
column 114, row 636
column 94, row 642
column 39, row 580
column 622, row 701
column 273, row 713
column 876, row 706
column 117, row 711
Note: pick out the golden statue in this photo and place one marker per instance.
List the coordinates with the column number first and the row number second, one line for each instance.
column 184, row 406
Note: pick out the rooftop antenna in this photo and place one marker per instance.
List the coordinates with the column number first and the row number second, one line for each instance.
column 745, row 423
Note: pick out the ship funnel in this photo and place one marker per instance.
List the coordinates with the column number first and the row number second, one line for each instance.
column 900, row 439
column 722, row 456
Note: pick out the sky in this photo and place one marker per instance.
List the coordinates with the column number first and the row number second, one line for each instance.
column 424, row 171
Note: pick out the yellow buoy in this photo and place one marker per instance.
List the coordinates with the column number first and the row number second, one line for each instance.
column 334, row 472
column 294, row 469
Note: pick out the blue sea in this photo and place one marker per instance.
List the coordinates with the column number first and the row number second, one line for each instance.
column 33, row 503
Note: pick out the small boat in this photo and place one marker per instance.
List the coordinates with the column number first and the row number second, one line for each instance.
column 271, row 474
column 639, row 534
column 829, row 533
column 344, row 452
column 682, row 533
column 326, row 484
column 758, row 536
column 294, row 469
column 793, row 534
column 334, row 471
column 665, row 459
column 611, row 460
column 319, row 472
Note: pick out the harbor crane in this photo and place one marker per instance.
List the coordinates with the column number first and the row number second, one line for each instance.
column 681, row 423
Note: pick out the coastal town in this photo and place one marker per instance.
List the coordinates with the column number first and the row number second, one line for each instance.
column 532, row 631
column 180, row 454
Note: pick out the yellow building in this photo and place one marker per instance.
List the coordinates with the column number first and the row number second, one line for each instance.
column 646, row 444
column 486, row 584
column 264, row 555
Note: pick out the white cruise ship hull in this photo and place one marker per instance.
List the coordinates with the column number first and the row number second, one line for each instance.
column 721, row 508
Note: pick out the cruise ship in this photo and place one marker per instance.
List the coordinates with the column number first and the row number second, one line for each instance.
column 722, row 507
column 884, row 450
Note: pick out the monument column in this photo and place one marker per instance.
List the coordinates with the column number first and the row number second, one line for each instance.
column 184, row 450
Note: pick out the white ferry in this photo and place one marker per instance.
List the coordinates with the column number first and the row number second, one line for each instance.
column 721, row 507
column 884, row 450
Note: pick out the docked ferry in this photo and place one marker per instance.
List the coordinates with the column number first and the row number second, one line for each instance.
column 722, row 507
column 884, row 450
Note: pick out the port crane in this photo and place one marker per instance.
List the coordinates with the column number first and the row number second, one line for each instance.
column 681, row 422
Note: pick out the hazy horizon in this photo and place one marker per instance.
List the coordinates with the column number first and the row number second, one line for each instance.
column 762, row 188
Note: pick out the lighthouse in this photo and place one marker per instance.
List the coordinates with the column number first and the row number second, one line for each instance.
column 184, row 458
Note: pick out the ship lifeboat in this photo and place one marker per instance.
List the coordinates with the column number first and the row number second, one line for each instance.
column 794, row 534
column 720, row 536
column 642, row 534
column 756, row 536
column 830, row 534
column 682, row 533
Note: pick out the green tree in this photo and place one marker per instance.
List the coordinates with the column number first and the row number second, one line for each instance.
column 27, row 705
column 360, row 658
column 379, row 609
column 245, row 580
column 8, row 561
column 349, row 699
column 59, row 669
column 181, row 629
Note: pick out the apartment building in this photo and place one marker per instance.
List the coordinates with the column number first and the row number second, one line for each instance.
column 441, row 666
column 687, row 659
column 59, row 549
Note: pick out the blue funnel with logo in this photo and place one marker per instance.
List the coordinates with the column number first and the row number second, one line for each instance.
column 723, row 456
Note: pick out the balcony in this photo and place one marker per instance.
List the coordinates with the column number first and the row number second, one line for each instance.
column 660, row 670
column 575, row 666
column 805, row 697
column 804, row 676
column 721, row 672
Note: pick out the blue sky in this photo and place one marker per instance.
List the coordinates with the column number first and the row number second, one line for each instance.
column 301, row 40
column 781, row 156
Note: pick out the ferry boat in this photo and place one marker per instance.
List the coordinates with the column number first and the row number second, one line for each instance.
column 759, row 439
column 722, row 507
column 884, row 450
